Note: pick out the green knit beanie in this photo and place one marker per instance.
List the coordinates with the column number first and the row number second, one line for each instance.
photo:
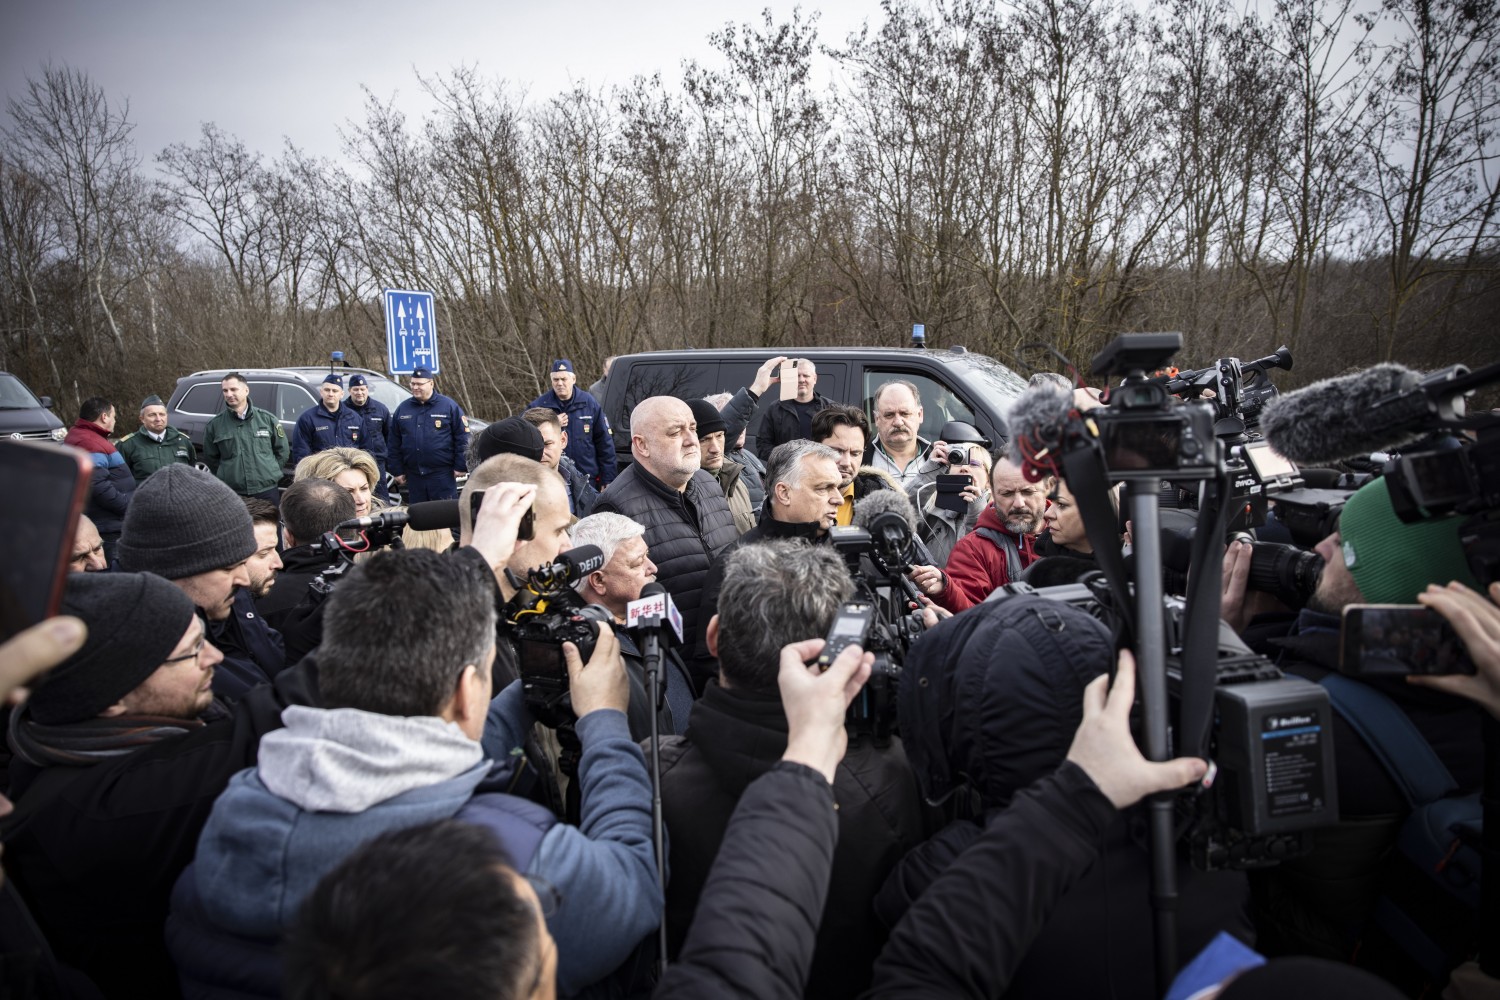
column 1392, row 561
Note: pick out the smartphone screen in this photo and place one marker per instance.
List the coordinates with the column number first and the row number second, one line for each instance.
column 1393, row 640
column 524, row 532
column 789, row 379
column 849, row 627
column 47, row 485
column 950, row 491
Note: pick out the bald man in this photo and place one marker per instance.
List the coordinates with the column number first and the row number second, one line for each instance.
column 682, row 508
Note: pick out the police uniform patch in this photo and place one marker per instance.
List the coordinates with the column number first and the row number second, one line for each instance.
column 437, row 423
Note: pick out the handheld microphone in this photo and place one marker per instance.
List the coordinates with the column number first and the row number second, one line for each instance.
column 652, row 608
column 1377, row 409
column 579, row 561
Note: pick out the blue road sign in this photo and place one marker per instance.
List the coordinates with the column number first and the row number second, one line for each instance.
column 410, row 331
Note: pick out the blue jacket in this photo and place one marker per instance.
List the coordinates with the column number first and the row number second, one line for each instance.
column 427, row 437
column 590, row 445
column 318, row 430
column 261, row 854
column 377, row 418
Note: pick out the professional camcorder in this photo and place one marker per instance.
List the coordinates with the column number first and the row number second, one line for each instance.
column 878, row 558
column 545, row 613
column 1202, row 692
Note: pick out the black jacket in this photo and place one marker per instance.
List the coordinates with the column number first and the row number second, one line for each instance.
column 781, row 424
column 299, row 565
column 684, row 531
column 253, row 651
column 94, row 851
column 758, row 917
column 735, row 737
column 703, row 662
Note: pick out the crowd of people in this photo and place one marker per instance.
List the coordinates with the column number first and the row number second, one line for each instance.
column 261, row 765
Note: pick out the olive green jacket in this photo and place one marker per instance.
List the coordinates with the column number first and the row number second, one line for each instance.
column 246, row 454
column 145, row 456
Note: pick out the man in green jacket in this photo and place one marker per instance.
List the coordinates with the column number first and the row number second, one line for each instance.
column 155, row 444
column 244, row 445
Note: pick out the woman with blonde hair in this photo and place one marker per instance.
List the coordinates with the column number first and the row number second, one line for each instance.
column 351, row 468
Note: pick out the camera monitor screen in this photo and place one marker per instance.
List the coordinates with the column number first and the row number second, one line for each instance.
column 1141, row 444
column 1268, row 463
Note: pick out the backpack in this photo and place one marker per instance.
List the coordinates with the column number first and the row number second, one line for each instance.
column 1429, row 907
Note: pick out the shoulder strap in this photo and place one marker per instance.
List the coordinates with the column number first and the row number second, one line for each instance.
column 1391, row 735
column 1007, row 545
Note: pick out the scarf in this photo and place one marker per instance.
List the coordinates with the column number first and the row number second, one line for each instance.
column 95, row 741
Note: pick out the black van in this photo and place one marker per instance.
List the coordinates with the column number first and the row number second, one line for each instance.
column 955, row 384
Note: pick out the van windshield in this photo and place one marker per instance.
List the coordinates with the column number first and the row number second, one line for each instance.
column 15, row 396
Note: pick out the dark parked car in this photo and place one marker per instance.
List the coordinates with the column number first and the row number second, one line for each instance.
column 24, row 416
column 955, row 384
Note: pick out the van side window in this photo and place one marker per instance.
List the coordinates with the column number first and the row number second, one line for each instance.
column 685, row 381
column 940, row 404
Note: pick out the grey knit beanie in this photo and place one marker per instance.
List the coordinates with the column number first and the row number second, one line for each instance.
column 135, row 620
column 182, row 522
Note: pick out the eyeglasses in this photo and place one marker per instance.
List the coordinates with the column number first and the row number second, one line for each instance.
column 202, row 638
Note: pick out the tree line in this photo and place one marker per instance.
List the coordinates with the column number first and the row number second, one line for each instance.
column 1021, row 178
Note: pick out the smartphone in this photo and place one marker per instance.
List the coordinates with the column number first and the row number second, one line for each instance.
column 47, row 485
column 849, row 627
column 1393, row 640
column 524, row 533
column 789, row 379
column 950, row 490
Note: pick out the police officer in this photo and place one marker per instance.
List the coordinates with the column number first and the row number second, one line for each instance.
column 330, row 424
column 156, row 444
column 590, row 445
column 427, row 442
column 377, row 418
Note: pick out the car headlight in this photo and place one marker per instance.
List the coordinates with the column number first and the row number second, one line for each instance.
column 58, row 433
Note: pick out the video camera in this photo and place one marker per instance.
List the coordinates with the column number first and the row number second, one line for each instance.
column 878, row 558
column 545, row 613
column 1198, row 685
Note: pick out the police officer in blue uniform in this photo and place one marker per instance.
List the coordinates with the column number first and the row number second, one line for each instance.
column 377, row 418
column 427, row 442
column 590, row 445
column 330, row 424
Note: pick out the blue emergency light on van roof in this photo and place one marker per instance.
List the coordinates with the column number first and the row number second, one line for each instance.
column 337, row 356
column 918, row 335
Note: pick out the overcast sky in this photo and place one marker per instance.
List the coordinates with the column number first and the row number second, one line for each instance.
column 294, row 67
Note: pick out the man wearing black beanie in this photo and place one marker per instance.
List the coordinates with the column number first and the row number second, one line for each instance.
column 192, row 529
column 141, row 678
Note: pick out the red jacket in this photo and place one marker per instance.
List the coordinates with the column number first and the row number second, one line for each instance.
column 977, row 566
column 90, row 437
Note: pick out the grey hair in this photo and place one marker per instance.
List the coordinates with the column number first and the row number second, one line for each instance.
column 1051, row 378
column 719, row 399
column 775, row 593
column 916, row 393
column 784, row 465
column 606, row 530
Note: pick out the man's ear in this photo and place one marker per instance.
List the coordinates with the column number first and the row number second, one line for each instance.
column 469, row 696
column 595, row 581
column 564, row 439
column 712, row 637
column 782, row 493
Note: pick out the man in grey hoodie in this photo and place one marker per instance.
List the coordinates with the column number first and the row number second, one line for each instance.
column 405, row 674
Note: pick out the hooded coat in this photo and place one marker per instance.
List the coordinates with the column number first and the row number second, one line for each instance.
column 976, row 566
column 993, row 724
column 334, row 779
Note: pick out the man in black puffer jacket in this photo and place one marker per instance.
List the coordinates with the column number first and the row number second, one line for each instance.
column 686, row 517
column 776, row 592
